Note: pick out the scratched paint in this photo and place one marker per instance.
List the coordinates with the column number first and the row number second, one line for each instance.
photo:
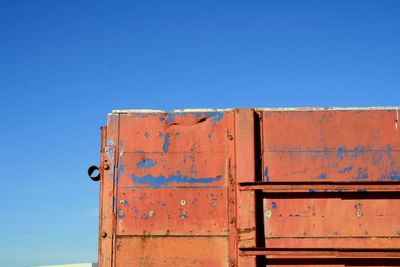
column 361, row 174
column 166, row 142
column 215, row 116
column 266, row 174
column 162, row 181
column 346, row 169
column 187, row 155
column 145, row 164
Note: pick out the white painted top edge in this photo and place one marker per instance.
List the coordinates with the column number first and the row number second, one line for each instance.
column 119, row 111
column 71, row 265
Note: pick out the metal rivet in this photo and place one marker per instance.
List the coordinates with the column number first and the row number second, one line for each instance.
column 151, row 213
column 230, row 137
column 103, row 234
column 214, row 202
column 106, row 166
column 268, row 214
column 183, row 202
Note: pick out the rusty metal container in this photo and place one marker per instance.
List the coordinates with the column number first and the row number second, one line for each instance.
column 250, row 187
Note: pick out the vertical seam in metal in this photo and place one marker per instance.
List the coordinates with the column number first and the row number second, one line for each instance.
column 115, row 190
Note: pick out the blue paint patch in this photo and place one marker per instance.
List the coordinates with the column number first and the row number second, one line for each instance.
column 346, row 169
column 160, row 134
column 146, row 163
column 274, row 205
column 376, row 158
column 323, row 176
column 170, row 117
column 340, row 153
column 361, row 191
column 121, row 215
column 166, row 142
column 393, row 176
column 162, row 119
column 162, row 181
column 361, row 174
column 110, row 142
column 311, row 190
column 145, row 217
column 266, row 174
column 217, row 116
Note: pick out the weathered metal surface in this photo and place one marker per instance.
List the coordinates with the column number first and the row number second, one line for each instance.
column 171, row 251
column 331, row 146
column 349, row 157
column 280, row 187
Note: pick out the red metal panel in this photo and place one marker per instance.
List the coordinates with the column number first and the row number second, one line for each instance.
column 324, row 218
column 245, row 171
column 180, row 211
column 172, row 251
column 205, row 188
column 172, row 190
column 107, row 191
column 331, row 145
column 173, row 132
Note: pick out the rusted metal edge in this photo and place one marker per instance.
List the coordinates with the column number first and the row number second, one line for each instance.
column 312, row 187
column 124, row 111
column 301, row 253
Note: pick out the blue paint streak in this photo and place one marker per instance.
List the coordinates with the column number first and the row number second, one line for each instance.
column 340, row 153
column 194, row 186
column 217, row 116
column 346, row 169
column 323, row 176
column 274, row 205
column 121, row 168
column 146, row 163
column 162, row 181
column 166, row 142
column 121, row 215
column 361, row 175
column 361, row 191
column 170, row 117
column 311, row 190
column 266, row 175
column 393, row 176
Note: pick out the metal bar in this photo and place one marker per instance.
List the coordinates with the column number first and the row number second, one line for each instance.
column 321, row 253
column 312, row 187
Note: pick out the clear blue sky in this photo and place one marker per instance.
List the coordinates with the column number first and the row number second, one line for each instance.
column 65, row 64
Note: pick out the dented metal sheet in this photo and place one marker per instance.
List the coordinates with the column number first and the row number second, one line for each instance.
column 251, row 187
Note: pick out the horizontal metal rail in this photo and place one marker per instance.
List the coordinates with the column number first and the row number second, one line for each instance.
column 306, row 253
column 322, row 187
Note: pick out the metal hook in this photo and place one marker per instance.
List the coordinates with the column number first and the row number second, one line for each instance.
column 92, row 169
